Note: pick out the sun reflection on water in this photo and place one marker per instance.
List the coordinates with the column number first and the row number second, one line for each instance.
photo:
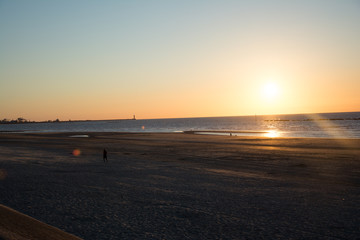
column 272, row 134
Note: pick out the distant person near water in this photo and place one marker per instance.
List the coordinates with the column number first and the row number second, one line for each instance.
column 105, row 155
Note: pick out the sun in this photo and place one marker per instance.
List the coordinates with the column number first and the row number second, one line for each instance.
column 270, row 90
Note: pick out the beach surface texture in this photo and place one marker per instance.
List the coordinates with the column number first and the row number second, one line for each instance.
column 178, row 186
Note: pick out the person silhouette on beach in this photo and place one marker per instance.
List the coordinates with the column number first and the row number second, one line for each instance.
column 105, row 155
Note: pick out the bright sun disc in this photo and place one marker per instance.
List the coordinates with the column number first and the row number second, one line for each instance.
column 270, row 90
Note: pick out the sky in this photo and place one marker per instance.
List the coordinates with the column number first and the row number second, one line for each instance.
column 167, row 59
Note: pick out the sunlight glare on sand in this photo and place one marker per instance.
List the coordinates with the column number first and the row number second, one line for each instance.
column 80, row 136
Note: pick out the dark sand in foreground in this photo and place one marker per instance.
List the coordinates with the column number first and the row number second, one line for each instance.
column 176, row 186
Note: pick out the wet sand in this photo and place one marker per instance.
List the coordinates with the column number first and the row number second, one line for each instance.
column 184, row 186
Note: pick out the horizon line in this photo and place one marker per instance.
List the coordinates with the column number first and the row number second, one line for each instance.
column 124, row 119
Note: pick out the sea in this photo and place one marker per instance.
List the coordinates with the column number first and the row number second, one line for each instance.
column 320, row 125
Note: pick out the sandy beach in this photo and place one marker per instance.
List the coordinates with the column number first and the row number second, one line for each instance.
column 183, row 186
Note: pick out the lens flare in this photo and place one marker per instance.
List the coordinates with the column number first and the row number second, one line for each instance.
column 3, row 174
column 76, row 152
column 329, row 126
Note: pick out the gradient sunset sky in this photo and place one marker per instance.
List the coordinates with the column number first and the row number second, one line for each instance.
column 167, row 59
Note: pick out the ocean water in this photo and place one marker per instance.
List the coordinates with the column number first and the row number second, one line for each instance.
column 322, row 125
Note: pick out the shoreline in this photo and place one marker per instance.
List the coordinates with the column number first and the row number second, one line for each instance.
column 297, row 125
column 190, row 132
column 176, row 185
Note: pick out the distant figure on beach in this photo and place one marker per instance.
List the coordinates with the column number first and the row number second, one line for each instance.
column 105, row 155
